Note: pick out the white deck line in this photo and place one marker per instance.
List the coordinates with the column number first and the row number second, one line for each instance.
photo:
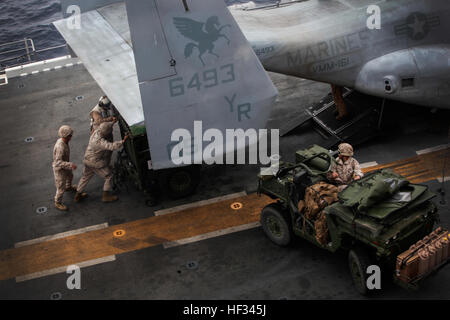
column 61, row 235
column 211, row 235
column 368, row 164
column 3, row 78
column 200, row 203
column 444, row 180
column 432, row 149
column 40, row 66
column 50, row 272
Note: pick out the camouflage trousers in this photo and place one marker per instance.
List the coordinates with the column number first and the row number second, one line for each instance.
column 89, row 172
column 63, row 181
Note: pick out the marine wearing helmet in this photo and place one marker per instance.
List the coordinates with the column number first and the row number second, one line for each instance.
column 346, row 169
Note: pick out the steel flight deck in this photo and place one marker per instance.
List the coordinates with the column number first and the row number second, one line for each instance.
column 187, row 253
column 176, row 226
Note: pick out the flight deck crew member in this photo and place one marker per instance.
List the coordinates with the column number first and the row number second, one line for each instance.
column 62, row 167
column 346, row 169
column 97, row 161
column 338, row 97
column 100, row 113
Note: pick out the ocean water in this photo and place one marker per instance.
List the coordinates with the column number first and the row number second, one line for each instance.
column 33, row 19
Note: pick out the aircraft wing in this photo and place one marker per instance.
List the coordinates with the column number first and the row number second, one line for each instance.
column 104, row 46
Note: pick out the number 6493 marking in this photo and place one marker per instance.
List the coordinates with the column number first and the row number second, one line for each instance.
column 207, row 79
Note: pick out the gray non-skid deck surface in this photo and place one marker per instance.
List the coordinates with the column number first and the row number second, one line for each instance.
column 242, row 265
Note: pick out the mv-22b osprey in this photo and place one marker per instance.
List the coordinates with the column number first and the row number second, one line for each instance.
column 178, row 61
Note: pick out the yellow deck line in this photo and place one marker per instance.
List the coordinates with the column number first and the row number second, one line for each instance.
column 421, row 168
column 134, row 235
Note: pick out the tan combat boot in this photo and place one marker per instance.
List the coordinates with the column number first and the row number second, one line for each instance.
column 80, row 196
column 61, row 207
column 108, row 197
column 71, row 189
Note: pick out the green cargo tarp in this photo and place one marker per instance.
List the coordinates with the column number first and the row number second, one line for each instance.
column 382, row 186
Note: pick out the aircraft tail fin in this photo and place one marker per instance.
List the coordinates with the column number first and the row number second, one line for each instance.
column 194, row 64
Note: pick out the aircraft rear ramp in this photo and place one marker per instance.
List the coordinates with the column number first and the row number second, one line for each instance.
column 364, row 120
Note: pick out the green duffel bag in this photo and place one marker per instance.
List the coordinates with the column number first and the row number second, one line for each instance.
column 372, row 189
column 317, row 163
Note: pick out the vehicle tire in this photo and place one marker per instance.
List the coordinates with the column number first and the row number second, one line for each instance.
column 179, row 182
column 120, row 173
column 151, row 201
column 276, row 224
column 358, row 262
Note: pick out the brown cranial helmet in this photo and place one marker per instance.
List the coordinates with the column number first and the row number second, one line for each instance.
column 346, row 150
column 65, row 131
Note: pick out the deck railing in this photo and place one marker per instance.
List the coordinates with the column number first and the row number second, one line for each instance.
column 21, row 52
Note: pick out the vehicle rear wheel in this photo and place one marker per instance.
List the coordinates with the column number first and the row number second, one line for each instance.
column 180, row 182
column 276, row 225
column 359, row 261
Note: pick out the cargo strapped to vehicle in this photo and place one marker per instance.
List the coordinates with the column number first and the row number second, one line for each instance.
column 423, row 258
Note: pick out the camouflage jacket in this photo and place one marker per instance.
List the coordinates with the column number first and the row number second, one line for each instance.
column 61, row 156
column 346, row 171
column 99, row 151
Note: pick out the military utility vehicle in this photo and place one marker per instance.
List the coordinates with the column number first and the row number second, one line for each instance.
column 376, row 218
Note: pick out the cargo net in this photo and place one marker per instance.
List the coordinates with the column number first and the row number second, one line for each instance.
column 317, row 197
column 424, row 257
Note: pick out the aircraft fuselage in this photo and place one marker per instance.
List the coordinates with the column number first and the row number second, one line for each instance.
column 406, row 59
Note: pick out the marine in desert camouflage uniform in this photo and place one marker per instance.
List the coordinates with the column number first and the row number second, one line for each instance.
column 62, row 167
column 346, row 169
column 97, row 161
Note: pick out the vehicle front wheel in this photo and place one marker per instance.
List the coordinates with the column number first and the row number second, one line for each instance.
column 359, row 261
column 276, row 225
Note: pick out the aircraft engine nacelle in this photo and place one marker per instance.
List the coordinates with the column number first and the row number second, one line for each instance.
column 419, row 75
